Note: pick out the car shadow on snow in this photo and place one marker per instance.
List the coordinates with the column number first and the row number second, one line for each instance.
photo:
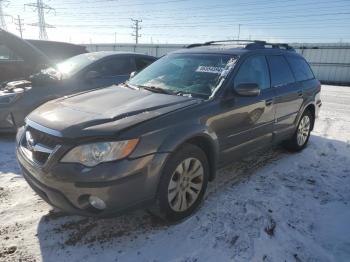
column 60, row 235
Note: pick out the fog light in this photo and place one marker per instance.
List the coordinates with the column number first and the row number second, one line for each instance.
column 97, row 203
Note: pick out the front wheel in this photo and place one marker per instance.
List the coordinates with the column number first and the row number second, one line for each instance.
column 183, row 183
column 302, row 134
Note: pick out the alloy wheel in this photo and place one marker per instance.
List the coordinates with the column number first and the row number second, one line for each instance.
column 303, row 130
column 185, row 184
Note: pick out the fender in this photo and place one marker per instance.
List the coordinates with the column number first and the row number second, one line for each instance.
column 313, row 98
column 194, row 134
column 302, row 110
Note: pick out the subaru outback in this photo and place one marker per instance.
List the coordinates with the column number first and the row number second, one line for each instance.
column 155, row 141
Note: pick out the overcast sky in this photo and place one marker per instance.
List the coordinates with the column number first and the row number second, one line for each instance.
column 187, row 21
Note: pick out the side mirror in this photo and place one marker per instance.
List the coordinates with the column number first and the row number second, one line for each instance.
column 132, row 74
column 92, row 75
column 247, row 89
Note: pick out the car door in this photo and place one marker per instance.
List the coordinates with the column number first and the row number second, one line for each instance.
column 114, row 70
column 246, row 123
column 289, row 96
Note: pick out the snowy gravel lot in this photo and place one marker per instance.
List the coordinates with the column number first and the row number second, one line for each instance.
column 275, row 206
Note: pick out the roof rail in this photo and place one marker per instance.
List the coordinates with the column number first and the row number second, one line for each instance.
column 249, row 44
column 270, row 45
column 223, row 41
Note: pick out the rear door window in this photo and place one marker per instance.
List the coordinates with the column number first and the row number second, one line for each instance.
column 142, row 62
column 254, row 70
column 281, row 73
column 300, row 68
column 120, row 65
column 6, row 54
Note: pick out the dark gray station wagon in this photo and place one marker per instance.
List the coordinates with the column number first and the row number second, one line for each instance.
column 155, row 141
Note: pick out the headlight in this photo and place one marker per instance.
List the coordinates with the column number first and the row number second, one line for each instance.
column 7, row 98
column 93, row 154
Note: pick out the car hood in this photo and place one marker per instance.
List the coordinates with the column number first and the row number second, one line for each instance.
column 105, row 111
column 25, row 50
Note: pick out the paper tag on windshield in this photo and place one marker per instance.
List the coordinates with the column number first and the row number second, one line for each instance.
column 210, row 69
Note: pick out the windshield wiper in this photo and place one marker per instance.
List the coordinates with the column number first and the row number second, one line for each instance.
column 191, row 94
column 156, row 89
column 129, row 86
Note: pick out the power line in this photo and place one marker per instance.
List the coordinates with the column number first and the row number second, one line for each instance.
column 222, row 17
column 218, row 19
column 41, row 8
column 262, row 4
column 2, row 14
column 227, row 24
column 279, row 18
column 136, row 28
column 255, row 17
column 123, row 5
column 265, row 6
column 20, row 25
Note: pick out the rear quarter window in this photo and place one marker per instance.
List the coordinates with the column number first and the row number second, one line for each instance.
column 281, row 73
column 300, row 68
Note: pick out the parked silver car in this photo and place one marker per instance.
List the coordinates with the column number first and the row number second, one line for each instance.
column 77, row 74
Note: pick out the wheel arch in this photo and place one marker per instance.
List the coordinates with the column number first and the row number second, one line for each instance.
column 207, row 145
column 205, row 140
column 312, row 108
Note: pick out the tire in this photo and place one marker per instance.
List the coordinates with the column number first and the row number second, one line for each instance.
column 301, row 135
column 180, row 193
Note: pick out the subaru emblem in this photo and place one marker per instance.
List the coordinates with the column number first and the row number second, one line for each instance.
column 30, row 141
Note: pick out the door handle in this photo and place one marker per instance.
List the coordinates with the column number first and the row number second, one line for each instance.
column 300, row 93
column 268, row 102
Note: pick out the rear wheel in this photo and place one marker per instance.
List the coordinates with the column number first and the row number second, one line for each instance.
column 183, row 183
column 302, row 134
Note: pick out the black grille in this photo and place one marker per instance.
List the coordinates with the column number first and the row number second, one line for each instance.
column 43, row 139
column 40, row 157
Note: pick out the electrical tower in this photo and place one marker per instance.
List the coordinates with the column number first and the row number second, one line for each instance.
column 20, row 25
column 2, row 14
column 41, row 8
column 136, row 28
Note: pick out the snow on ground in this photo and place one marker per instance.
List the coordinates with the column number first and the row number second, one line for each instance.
column 275, row 206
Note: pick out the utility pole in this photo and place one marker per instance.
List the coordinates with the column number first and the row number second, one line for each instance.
column 239, row 31
column 19, row 24
column 2, row 14
column 137, row 28
column 41, row 8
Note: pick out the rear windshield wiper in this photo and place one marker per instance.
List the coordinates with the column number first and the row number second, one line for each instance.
column 156, row 89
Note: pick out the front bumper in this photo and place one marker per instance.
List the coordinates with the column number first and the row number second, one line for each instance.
column 122, row 185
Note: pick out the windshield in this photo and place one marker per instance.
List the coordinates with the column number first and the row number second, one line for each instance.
column 76, row 63
column 195, row 74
